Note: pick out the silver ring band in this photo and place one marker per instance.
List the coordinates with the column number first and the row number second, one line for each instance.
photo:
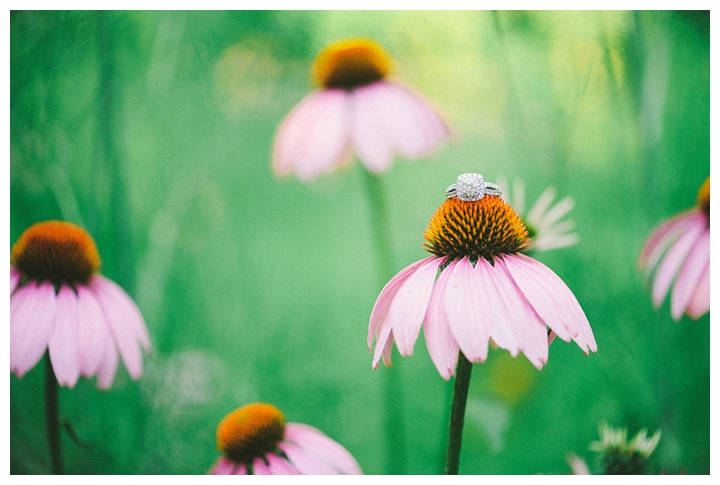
column 471, row 187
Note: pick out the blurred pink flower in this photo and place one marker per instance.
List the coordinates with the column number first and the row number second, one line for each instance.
column 255, row 440
column 59, row 303
column 358, row 109
column 678, row 251
column 487, row 292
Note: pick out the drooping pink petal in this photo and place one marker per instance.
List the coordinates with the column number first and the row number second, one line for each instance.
column 124, row 322
column 552, row 300
column 410, row 303
column 389, row 118
column 15, row 278
column 700, row 303
column 441, row 344
column 529, row 328
column 314, row 137
column 673, row 260
column 63, row 341
column 690, row 274
column 32, row 310
column 465, row 311
column 108, row 364
column 664, row 235
column 383, row 347
column 276, row 466
column 93, row 333
column 496, row 298
column 226, row 467
column 315, row 442
column 260, row 468
column 306, row 463
column 380, row 312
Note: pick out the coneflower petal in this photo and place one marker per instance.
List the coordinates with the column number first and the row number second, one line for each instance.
column 92, row 332
column 690, row 274
column 389, row 118
column 410, row 304
column 314, row 441
column 466, row 313
column 314, row 137
column 552, row 300
column 672, row 262
column 32, row 311
column 700, row 302
column 441, row 344
column 63, row 341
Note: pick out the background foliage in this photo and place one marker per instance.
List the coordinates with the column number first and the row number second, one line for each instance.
column 154, row 130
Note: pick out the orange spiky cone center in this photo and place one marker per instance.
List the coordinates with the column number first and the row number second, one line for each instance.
column 351, row 63
column 56, row 251
column 250, row 432
column 486, row 228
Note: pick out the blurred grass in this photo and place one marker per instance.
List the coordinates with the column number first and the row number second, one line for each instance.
column 154, row 131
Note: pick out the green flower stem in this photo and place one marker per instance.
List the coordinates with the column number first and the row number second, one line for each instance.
column 52, row 421
column 394, row 396
column 457, row 415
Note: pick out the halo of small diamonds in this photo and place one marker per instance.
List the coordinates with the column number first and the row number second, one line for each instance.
column 471, row 187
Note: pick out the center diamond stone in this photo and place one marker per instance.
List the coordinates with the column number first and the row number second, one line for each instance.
column 470, row 187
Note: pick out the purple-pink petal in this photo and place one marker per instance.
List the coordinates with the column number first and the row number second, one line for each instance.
column 316, row 443
column 314, row 137
column 276, row 466
column 383, row 347
column 672, row 262
column 306, row 463
column 124, row 322
column 552, row 300
column 465, row 310
column 15, row 278
column 93, row 333
column 108, row 364
column 388, row 118
column 410, row 303
column 700, row 303
column 501, row 302
column 664, row 234
column 689, row 278
column 32, row 310
column 380, row 311
column 226, row 467
column 63, row 341
column 441, row 344
column 528, row 327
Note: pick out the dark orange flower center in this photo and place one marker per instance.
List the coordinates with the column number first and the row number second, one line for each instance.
column 56, row 251
column 250, row 432
column 704, row 198
column 485, row 228
column 350, row 64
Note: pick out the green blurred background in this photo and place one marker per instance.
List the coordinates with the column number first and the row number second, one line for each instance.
column 154, row 131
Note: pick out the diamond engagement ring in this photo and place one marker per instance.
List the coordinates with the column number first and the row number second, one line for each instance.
column 471, row 187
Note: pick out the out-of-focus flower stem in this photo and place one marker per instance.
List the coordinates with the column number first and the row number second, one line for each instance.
column 394, row 396
column 52, row 421
column 457, row 415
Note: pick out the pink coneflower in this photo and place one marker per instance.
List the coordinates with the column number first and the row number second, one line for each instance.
column 683, row 245
column 487, row 290
column 546, row 223
column 256, row 440
column 356, row 109
column 59, row 303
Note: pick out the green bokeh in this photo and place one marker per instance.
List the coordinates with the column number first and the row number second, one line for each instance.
column 154, row 131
